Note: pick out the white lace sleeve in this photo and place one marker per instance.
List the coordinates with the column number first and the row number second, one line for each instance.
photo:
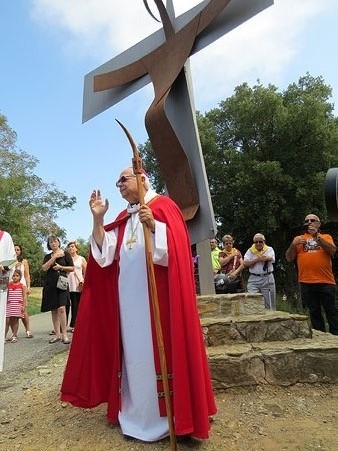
column 106, row 256
column 159, row 243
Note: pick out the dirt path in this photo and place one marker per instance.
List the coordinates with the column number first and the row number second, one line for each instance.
column 302, row 418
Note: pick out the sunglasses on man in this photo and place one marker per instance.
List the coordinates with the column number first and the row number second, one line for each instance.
column 123, row 179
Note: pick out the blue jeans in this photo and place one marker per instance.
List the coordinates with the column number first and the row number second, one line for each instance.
column 316, row 296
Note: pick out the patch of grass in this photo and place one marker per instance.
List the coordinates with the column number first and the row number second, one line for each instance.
column 284, row 305
column 34, row 301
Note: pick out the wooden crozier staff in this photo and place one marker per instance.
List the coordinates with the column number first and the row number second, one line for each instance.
column 138, row 171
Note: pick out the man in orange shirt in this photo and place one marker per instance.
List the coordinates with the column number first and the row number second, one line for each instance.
column 313, row 252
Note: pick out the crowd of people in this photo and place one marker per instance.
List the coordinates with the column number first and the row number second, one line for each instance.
column 228, row 265
column 312, row 253
column 15, row 288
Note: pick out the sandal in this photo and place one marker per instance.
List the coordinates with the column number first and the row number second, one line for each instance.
column 54, row 340
column 29, row 334
column 13, row 339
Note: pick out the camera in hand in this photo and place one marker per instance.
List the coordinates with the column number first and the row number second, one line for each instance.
column 331, row 193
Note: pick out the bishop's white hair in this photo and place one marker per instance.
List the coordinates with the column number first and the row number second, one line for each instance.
column 147, row 183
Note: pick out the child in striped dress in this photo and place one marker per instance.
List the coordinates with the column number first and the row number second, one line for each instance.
column 16, row 304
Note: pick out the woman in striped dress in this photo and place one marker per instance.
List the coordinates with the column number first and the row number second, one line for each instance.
column 16, row 304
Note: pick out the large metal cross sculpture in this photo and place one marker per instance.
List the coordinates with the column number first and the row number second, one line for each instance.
column 170, row 121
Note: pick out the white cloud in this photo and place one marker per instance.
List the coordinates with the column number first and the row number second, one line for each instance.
column 261, row 48
column 91, row 27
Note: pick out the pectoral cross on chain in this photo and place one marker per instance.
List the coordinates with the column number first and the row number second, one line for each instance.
column 132, row 240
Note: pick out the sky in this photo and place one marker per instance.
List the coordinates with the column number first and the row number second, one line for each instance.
column 48, row 46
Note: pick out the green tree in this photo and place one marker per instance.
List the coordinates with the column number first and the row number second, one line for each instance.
column 83, row 247
column 151, row 166
column 274, row 150
column 266, row 155
column 28, row 206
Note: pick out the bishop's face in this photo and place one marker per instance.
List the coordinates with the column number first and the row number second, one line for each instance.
column 127, row 185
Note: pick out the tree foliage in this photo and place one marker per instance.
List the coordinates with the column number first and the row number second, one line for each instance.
column 28, row 205
column 266, row 155
column 83, row 247
column 151, row 166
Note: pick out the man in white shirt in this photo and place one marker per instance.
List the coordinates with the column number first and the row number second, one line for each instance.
column 259, row 258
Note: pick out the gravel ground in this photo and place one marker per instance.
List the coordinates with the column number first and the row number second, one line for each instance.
column 300, row 417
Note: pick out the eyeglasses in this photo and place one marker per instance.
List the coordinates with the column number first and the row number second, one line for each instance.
column 123, row 179
column 259, row 241
column 311, row 220
column 227, row 242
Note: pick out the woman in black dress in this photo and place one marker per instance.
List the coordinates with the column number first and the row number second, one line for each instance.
column 58, row 262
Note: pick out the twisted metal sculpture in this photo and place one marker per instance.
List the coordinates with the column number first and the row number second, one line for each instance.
column 164, row 65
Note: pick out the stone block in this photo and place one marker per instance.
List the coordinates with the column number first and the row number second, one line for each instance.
column 230, row 371
column 273, row 326
column 231, row 304
column 276, row 363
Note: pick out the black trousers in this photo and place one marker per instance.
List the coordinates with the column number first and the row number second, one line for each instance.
column 73, row 306
column 318, row 296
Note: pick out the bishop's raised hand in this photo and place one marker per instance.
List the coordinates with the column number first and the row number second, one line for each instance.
column 98, row 207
